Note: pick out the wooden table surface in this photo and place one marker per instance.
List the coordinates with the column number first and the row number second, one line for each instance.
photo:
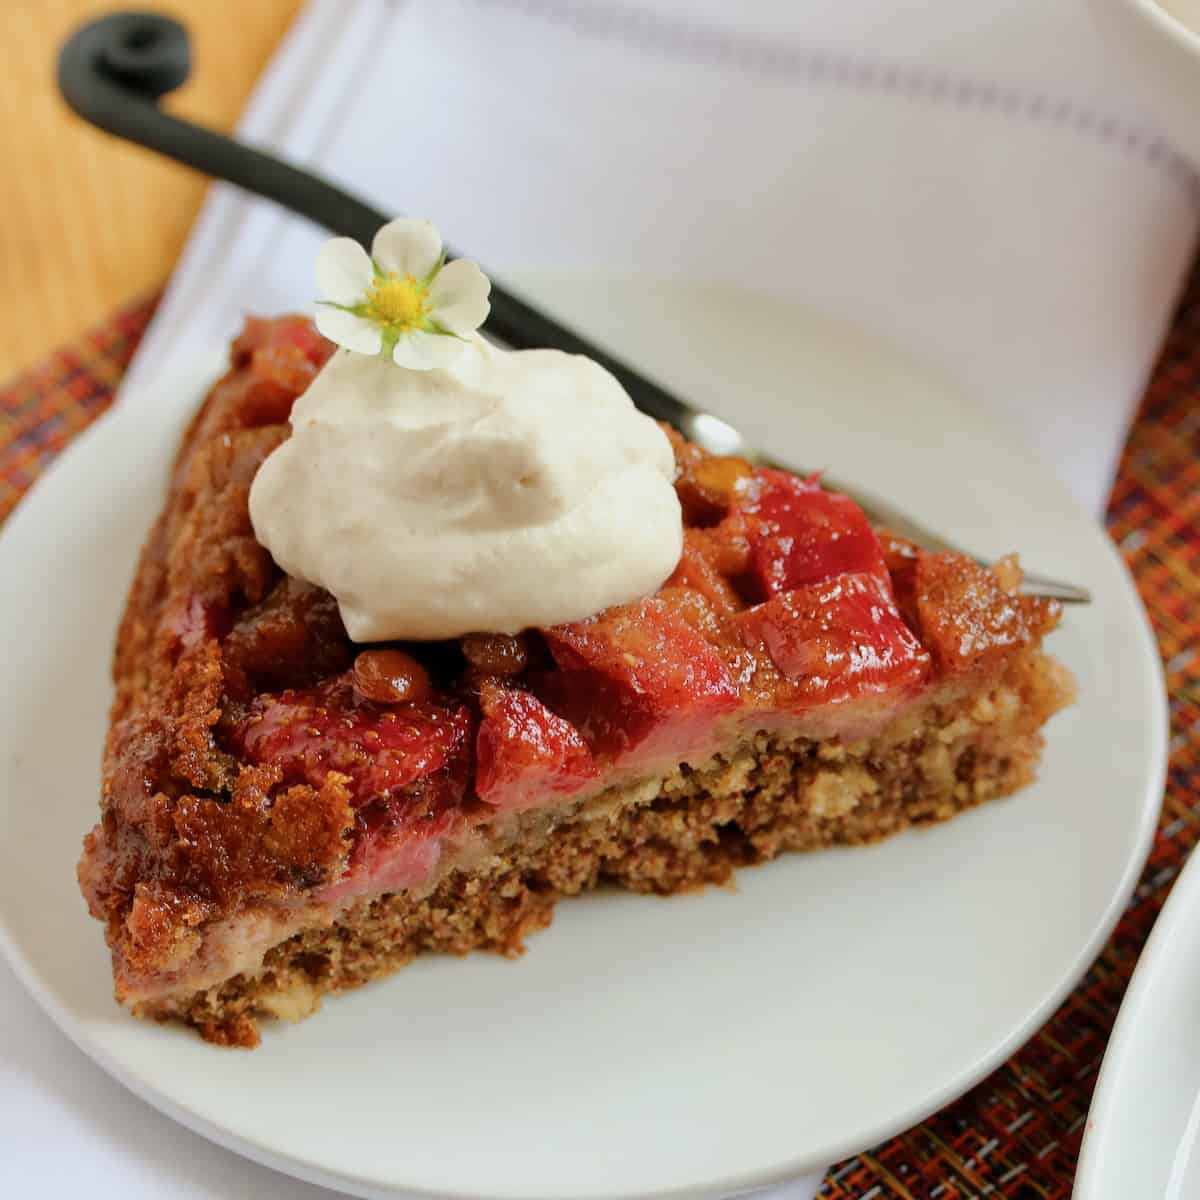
column 87, row 222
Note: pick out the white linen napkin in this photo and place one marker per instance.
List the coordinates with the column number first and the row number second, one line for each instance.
column 968, row 180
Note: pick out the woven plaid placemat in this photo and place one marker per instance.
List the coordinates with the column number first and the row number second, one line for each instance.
column 1016, row 1135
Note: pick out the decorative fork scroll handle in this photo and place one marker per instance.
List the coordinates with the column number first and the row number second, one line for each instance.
column 114, row 71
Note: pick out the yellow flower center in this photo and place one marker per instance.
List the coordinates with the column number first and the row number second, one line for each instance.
column 397, row 300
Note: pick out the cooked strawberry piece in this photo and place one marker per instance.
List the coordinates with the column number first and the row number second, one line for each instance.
column 900, row 556
column 965, row 616
column 637, row 677
column 398, row 838
column 836, row 640
column 198, row 620
column 259, row 333
column 301, row 334
column 525, row 753
column 803, row 534
column 381, row 748
column 698, row 570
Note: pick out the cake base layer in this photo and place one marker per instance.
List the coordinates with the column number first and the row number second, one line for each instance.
column 695, row 827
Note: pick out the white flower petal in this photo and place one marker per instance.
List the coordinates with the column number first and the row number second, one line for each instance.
column 421, row 351
column 458, row 297
column 343, row 271
column 408, row 247
column 353, row 332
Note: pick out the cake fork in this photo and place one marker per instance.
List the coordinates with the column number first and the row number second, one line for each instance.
column 114, row 71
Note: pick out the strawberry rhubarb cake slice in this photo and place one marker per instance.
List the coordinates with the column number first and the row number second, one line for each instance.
column 470, row 635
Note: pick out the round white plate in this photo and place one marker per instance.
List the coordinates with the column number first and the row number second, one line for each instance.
column 1143, row 1130
column 692, row 1046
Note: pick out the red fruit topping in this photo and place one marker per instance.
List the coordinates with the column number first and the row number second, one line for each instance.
column 524, row 752
column 284, row 357
column 837, row 640
column 697, row 570
column 198, row 620
column 281, row 333
column 396, row 846
column 801, row 534
column 965, row 616
column 900, row 556
column 310, row 733
column 391, row 677
column 299, row 333
column 638, row 676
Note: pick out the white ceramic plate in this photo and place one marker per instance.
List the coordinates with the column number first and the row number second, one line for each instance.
column 1143, row 1131
column 692, row 1046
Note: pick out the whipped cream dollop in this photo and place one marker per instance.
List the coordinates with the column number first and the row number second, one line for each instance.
column 505, row 491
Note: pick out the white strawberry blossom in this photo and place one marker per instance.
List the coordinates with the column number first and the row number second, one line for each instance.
column 403, row 300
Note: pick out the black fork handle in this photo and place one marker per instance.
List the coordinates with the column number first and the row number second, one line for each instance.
column 114, row 71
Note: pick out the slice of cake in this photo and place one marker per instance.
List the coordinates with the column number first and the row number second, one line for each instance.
column 286, row 813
